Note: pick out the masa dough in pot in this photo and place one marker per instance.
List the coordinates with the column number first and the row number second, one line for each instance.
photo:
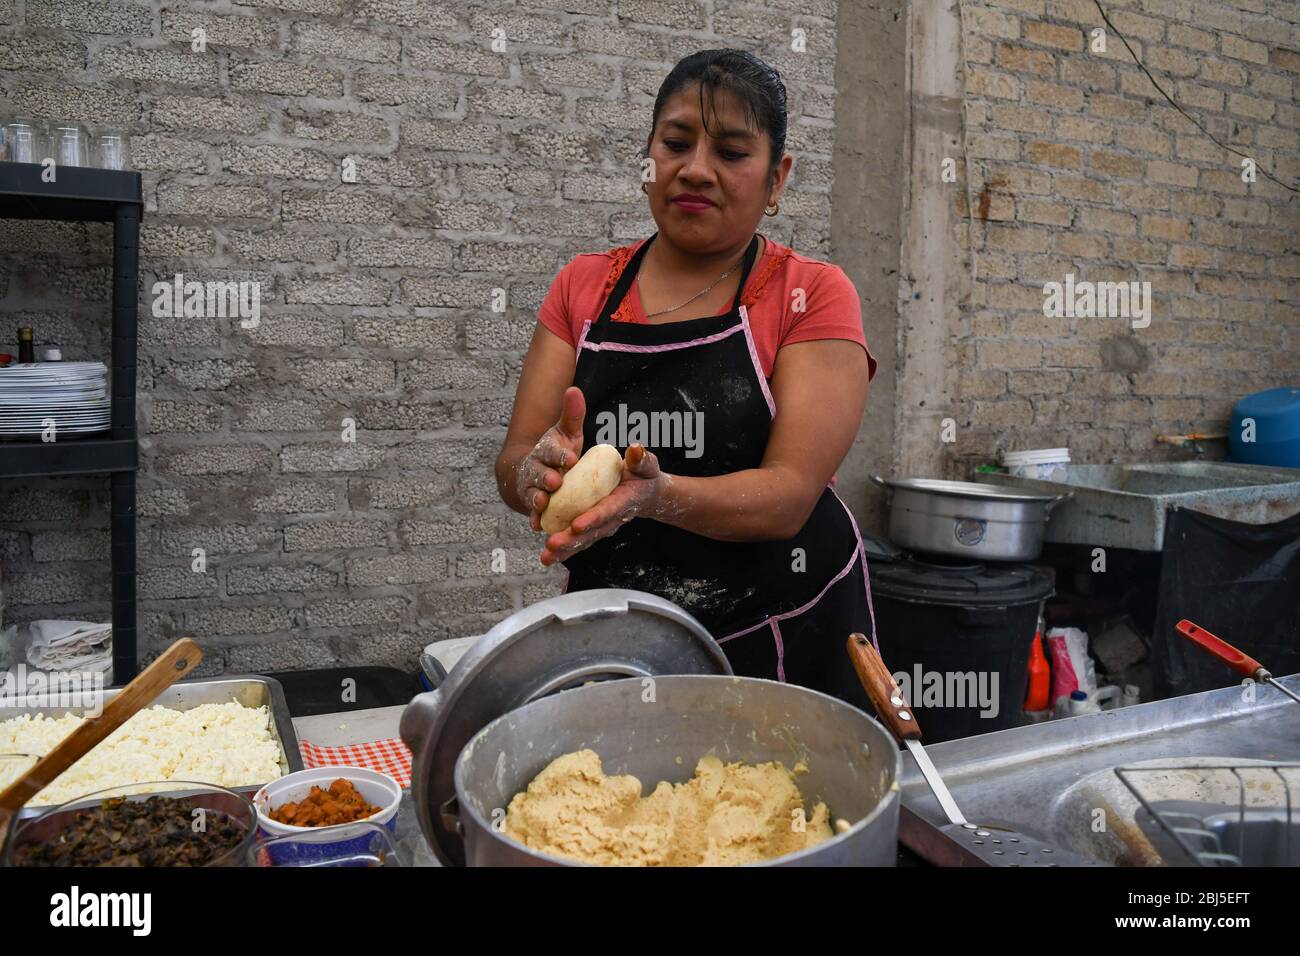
column 726, row 815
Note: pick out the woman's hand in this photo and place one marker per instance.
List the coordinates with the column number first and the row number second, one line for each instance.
column 536, row 475
column 638, row 493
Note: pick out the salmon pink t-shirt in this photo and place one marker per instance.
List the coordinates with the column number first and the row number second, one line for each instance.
column 831, row 307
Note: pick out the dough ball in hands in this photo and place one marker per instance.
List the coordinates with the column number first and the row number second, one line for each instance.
column 596, row 474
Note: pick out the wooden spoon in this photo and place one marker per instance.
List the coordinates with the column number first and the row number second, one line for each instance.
column 174, row 663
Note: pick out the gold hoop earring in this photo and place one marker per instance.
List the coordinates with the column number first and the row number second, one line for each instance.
column 775, row 208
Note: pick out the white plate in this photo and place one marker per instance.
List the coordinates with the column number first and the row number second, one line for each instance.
column 58, row 426
column 57, row 419
column 23, row 398
column 70, row 416
column 54, row 368
column 43, row 412
column 57, row 416
column 37, row 432
column 81, row 381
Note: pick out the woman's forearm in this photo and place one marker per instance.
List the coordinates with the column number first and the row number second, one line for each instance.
column 758, row 504
column 506, row 466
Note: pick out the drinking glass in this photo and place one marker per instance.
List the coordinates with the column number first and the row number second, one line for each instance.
column 71, row 144
column 26, row 141
column 111, row 150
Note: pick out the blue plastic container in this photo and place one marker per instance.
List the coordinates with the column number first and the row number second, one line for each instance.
column 1276, row 417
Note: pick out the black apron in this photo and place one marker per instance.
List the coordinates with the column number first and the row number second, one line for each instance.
column 781, row 610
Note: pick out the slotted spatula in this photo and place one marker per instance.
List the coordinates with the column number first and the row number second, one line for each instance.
column 170, row 666
column 972, row 844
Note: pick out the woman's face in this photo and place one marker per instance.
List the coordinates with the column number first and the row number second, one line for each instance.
column 709, row 189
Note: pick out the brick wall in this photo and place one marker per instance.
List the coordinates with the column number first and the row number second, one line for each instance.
column 1076, row 164
column 476, row 170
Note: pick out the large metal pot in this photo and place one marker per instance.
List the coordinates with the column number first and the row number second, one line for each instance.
column 853, row 763
column 966, row 520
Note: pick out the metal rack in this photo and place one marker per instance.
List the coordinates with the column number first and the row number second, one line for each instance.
column 94, row 195
column 1239, row 814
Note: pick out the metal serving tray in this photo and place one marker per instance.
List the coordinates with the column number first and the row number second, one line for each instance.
column 249, row 690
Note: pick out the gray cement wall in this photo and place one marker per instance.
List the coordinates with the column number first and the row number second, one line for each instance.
column 870, row 184
column 1070, row 161
column 476, row 169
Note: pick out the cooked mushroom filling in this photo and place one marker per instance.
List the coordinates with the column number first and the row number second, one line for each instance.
column 158, row 831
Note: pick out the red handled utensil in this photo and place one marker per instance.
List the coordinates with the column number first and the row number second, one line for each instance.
column 1239, row 661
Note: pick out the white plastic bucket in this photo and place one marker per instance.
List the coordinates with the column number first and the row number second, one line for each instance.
column 1044, row 464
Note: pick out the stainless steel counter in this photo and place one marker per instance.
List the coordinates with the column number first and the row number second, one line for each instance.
column 1051, row 779
column 1047, row 779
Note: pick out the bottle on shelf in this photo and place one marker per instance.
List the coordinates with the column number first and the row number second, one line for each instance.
column 25, row 350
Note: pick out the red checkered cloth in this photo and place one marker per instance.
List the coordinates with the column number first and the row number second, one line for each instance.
column 389, row 756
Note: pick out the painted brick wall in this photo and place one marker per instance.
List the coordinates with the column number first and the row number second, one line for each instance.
column 1076, row 164
column 475, row 170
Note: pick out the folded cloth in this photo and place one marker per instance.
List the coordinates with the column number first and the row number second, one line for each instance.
column 389, row 756
column 70, row 645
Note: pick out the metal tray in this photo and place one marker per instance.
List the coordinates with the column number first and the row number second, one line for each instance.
column 249, row 690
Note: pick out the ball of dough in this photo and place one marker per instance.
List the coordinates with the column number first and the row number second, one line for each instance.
column 596, row 474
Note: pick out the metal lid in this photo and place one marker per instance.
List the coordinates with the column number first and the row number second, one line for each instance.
column 549, row 646
column 966, row 489
column 960, row 585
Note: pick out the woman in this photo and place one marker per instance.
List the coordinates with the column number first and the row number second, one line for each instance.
column 732, row 371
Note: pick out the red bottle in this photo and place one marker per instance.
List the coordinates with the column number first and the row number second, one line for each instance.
column 1040, row 676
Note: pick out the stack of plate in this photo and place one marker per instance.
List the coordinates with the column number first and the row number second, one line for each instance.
column 74, row 395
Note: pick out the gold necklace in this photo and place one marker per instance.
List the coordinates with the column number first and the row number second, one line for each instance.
column 651, row 315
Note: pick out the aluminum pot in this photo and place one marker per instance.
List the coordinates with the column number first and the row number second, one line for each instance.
column 854, row 765
column 980, row 522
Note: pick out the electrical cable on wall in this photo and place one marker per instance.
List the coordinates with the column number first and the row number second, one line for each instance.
column 1191, row 119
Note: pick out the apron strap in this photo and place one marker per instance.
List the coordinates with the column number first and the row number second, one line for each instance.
column 633, row 267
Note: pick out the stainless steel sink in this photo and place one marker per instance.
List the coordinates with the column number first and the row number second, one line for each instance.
column 1056, row 780
column 1123, row 506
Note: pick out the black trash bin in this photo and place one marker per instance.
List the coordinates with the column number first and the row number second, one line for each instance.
column 957, row 638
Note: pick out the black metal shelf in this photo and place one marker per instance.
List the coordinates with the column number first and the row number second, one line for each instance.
column 67, row 456
column 77, row 194
column 94, row 195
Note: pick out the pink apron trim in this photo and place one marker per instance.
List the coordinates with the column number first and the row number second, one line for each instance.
column 582, row 340
column 670, row 347
column 758, row 366
column 853, row 558
column 780, row 651
column 866, row 579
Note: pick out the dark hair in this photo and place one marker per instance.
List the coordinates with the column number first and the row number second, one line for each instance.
column 749, row 79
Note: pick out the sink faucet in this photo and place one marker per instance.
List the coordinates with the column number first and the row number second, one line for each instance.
column 1192, row 441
